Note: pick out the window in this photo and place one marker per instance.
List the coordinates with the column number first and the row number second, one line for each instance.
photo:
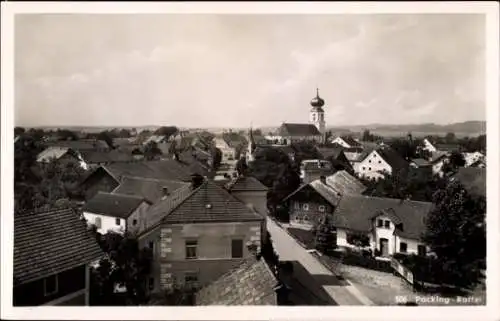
column 117, row 221
column 151, row 284
column 297, row 206
column 134, row 222
column 403, row 247
column 380, row 162
column 380, row 223
column 50, row 285
column 191, row 279
column 151, row 245
column 236, row 249
column 369, row 161
column 387, row 224
column 305, row 207
column 422, row 251
column 321, row 208
column 306, row 218
column 364, row 168
column 191, row 247
column 98, row 222
column 369, row 168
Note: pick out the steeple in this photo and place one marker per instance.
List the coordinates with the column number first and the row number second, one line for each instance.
column 317, row 101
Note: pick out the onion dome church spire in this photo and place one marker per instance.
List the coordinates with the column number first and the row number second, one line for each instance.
column 317, row 101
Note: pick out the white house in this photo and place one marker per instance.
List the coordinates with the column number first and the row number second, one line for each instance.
column 390, row 225
column 471, row 158
column 228, row 152
column 428, row 146
column 374, row 163
column 437, row 162
column 313, row 169
column 346, row 142
column 115, row 212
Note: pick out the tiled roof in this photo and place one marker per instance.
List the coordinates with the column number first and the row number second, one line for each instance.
column 325, row 191
column 288, row 129
column 350, row 141
column 345, row 183
column 149, row 188
column 166, row 169
column 207, row 203
column 352, row 157
column 51, row 153
column 473, row 179
column 246, row 184
column 392, row 158
column 96, row 157
column 50, row 242
column 355, row 212
column 79, row 145
column 420, row 162
column 438, row 155
column 252, row 283
column 334, row 152
column 112, row 204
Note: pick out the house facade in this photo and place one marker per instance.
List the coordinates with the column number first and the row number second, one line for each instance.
column 294, row 133
column 199, row 236
column 228, row 152
column 471, row 158
column 346, row 142
column 389, row 225
column 313, row 169
column 378, row 162
column 115, row 212
column 52, row 254
column 251, row 192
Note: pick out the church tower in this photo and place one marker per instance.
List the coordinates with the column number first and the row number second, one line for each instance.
column 317, row 114
column 251, row 147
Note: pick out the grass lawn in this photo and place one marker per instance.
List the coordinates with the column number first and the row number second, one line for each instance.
column 303, row 236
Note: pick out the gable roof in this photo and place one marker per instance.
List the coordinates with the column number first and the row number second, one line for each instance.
column 355, row 212
column 207, row 203
column 163, row 169
column 420, row 162
column 149, row 188
column 473, row 179
column 112, row 204
column 79, row 145
column 350, row 141
column 392, row 158
column 327, row 192
column 289, row 129
column 49, row 242
column 51, row 153
column 246, row 184
column 252, row 283
column 334, row 152
column 97, row 156
column 438, row 155
column 345, row 183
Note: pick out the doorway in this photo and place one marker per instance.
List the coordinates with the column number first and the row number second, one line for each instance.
column 384, row 247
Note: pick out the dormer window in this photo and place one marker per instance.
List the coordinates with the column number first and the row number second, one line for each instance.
column 387, row 224
column 380, row 223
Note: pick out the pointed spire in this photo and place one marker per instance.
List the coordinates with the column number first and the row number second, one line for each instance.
column 317, row 92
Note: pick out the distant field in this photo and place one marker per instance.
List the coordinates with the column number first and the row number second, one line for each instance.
column 420, row 134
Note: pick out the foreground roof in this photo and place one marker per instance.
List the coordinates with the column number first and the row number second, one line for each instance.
column 355, row 212
column 252, row 283
column 289, row 129
column 112, row 204
column 49, row 242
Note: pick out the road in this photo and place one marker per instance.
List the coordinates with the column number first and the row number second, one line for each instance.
column 289, row 250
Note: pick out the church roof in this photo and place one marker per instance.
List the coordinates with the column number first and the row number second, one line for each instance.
column 289, row 129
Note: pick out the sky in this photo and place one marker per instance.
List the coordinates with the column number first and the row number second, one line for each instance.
column 200, row 70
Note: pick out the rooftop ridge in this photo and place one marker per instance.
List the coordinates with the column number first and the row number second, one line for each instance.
column 384, row 198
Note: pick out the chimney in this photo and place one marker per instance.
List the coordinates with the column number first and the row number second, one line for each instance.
column 322, row 178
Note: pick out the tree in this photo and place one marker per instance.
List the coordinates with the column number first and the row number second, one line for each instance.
column 126, row 264
column 241, row 166
column 456, row 233
column 405, row 148
column 66, row 134
column 19, row 131
column 325, row 239
column 167, row 131
column 124, row 133
column 450, row 138
column 151, row 151
column 107, row 137
column 367, row 137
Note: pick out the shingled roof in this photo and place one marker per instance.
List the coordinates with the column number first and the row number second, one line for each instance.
column 246, row 184
column 350, row 141
column 289, row 129
column 49, row 242
column 252, row 283
column 79, row 145
column 96, row 156
column 327, row 192
column 345, row 183
column 473, row 179
column 355, row 212
column 112, row 204
column 148, row 188
column 165, row 169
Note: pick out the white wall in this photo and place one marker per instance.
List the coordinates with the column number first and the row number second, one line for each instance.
column 107, row 223
column 341, row 142
column 411, row 245
column 372, row 166
column 387, row 233
column 428, row 146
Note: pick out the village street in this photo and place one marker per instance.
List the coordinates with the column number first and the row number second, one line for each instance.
column 341, row 292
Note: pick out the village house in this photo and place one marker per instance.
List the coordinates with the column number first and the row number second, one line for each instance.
column 95, row 158
column 161, row 141
column 107, row 178
column 62, row 155
column 52, row 254
column 337, row 156
column 250, row 191
column 151, row 189
column 346, row 142
column 311, row 202
column 81, row 144
column 198, row 234
column 111, row 212
column 432, row 147
column 438, row 161
column 293, row 133
column 373, row 164
column 473, row 158
column 421, row 166
column 390, row 225
column 313, row 169
column 228, row 152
